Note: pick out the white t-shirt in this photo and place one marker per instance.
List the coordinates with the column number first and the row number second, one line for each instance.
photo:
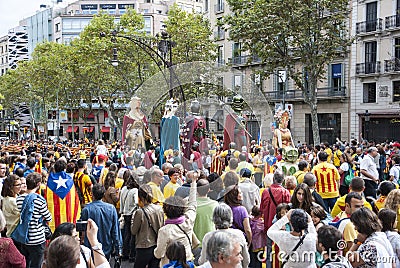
column 88, row 253
column 368, row 164
column 344, row 166
column 395, row 172
column 102, row 149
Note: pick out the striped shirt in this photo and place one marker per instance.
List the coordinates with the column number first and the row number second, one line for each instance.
column 327, row 180
column 40, row 211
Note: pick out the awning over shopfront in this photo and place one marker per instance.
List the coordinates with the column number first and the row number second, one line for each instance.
column 88, row 129
column 105, row 129
column 69, row 129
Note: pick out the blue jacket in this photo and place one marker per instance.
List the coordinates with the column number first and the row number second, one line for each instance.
column 106, row 218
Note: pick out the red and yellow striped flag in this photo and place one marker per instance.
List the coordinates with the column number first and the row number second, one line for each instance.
column 63, row 210
column 38, row 167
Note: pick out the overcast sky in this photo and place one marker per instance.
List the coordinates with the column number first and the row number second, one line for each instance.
column 12, row 11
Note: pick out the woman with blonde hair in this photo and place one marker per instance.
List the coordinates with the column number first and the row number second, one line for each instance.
column 9, row 192
column 393, row 203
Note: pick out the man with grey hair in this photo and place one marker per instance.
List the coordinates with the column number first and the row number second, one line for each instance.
column 223, row 250
column 165, row 169
column 369, row 172
column 222, row 218
column 156, row 179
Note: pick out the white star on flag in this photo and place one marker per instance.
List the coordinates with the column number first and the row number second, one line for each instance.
column 96, row 172
column 60, row 182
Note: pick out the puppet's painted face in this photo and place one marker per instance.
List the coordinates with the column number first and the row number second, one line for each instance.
column 290, row 154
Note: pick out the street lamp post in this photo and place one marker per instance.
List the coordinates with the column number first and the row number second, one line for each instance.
column 366, row 126
column 163, row 53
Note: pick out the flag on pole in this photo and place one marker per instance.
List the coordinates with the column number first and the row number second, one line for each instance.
column 259, row 136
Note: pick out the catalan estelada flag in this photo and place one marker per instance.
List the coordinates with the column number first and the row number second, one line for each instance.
column 62, row 199
column 38, row 167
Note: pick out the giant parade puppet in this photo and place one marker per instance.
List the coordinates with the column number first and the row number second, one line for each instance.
column 235, row 125
column 169, row 136
column 283, row 139
column 135, row 131
column 282, row 135
column 193, row 134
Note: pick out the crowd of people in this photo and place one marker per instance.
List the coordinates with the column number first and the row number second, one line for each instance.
column 104, row 203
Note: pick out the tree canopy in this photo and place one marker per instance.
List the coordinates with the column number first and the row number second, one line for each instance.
column 300, row 36
column 81, row 72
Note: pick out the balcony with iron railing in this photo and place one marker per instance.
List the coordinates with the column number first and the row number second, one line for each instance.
column 297, row 95
column 245, row 60
column 367, row 27
column 392, row 22
column 392, row 65
column 368, row 68
column 219, row 34
column 219, row 8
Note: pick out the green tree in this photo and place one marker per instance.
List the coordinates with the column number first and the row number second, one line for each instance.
column 191, row 33
column 95, row 78
column 301, row 36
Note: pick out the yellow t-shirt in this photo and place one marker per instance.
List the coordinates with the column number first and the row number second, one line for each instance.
column 340, row 206
column 158, row 196
column 84, row 184
column 327, row 180
column 170, row 189
column 329, row 152
column 336, row 158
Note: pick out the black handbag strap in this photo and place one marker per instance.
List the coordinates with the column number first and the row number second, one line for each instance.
column 148, row 220
column 294, row 249
column 272, row 197
column 190, row 242
column 84, row 257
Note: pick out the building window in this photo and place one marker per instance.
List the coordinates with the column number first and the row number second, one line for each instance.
column 371, row 16
column 397, row 47
column 58, row 28
column 237, row 83
column 396, row 91
column 370, row 57
column 336, row 76
column 330, row 126
column 206, row 5
column 280, row 82
column 369, row 93
column 219, row 7
column 147, row 25
column 220, row 55
column 236, row 52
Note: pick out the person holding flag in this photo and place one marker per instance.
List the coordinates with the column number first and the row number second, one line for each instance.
column 38, row 166
column 61, row 196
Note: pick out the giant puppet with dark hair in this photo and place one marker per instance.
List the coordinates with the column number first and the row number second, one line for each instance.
column 235, row 125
